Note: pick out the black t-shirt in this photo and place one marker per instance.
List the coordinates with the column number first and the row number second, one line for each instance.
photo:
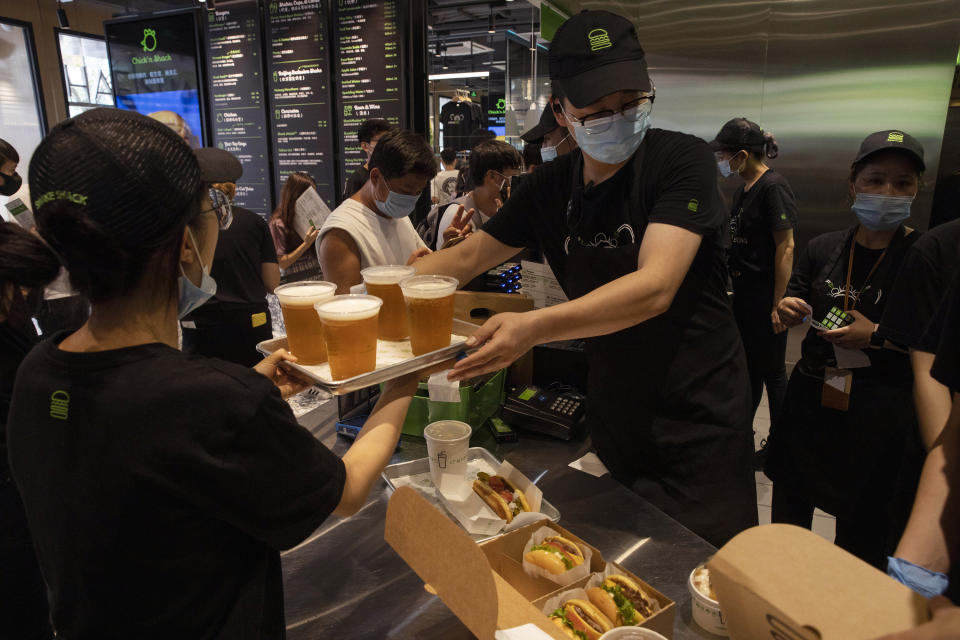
column 676, row 186
column 17, row 337
column 946, row 326
column 458, row 123
column 159, row 487
column 819, row 277
column 356, row 181
column 767, row 207
column 920, row 286
column 241, row 250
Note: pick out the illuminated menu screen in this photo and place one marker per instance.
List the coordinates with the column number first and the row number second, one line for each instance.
column 298, row 78
column 238, row 114
column 370, row 84
column 154, row 66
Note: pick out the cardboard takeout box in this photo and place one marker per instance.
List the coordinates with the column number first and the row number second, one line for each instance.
column 781, row 581
column 485, row 585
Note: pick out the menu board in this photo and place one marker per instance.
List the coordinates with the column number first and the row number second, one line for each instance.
column 370, row 82
column 298, row 81
column 238, row 113
column 153, row 61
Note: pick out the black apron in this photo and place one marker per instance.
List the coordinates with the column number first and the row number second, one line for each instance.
column 669, row 399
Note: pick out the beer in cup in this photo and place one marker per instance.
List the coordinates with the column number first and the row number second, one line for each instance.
column 447, row 445
column 430, row 311
column 384, row 282
column 304, row 331
column 350, row 331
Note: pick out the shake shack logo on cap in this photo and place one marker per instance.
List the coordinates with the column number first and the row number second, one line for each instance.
column 599, row 39
column 895, row 136
column 70, row 196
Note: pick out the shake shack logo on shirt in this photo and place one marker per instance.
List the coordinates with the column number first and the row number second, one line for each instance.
column 623, row 236
column 455, row 118
column 735, row 236
column 839, row 292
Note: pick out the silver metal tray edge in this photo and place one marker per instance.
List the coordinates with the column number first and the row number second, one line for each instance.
column 376, row 376
column 422, row 465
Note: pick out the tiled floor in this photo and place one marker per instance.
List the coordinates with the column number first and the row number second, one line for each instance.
column 823, row 523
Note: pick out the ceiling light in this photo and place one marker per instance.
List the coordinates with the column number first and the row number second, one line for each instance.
column 451, row 76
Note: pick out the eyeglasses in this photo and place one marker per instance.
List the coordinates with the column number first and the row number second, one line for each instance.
column 221, row 207
column 601, row 120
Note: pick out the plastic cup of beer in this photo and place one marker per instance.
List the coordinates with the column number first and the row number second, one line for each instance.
column 304, row 330
column 447, row 445
column 350, row 331
column 430, row 311
column 384, row 282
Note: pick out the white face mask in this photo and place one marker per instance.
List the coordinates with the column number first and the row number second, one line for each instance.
column 192, row 296
column 550, row 153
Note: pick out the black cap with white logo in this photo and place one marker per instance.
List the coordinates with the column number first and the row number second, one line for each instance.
column 891, row 139
column 594, row 54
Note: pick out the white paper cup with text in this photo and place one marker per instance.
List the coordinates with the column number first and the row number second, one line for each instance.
column 706, row 610
column 447, row 445
column 631, row 633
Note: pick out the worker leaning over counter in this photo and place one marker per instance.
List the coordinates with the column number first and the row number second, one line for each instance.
column 631, row 225
column 160, row 486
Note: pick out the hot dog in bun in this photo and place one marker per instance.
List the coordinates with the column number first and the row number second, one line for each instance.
column 500, row 495
column 556, row 554
column 623, row 601
column 581, row 620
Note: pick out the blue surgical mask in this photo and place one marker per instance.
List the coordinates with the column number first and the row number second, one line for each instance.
column 616, row 144
column 550, row 153
column 397, row 205
column 192, row 296
column 879, row 212
column 725, row 170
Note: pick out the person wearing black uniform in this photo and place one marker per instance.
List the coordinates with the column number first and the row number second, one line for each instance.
column 367, row 135
column 25, row 262
column 633, row 227
column 160, row 486
column 237, row 317
column 848, row 436
column 762, row 224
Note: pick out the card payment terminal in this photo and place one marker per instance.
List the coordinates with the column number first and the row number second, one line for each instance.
column 553, row 412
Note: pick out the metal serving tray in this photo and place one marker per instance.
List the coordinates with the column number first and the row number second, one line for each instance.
column 394, row 359
column 416, row 475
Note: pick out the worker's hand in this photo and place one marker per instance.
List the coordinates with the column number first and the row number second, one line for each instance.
column 283, row 378
column 779, row 326
column 792, row 311
column 416, row 255
column 311, row 237
column 460, row 226
column 855, row 335
column 498, row 203
column 505, row 337
column 944, row 626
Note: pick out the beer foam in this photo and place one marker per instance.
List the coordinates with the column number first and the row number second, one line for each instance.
column 429, row 288
column 305, row 295
column 387, row 274
column 349, row 307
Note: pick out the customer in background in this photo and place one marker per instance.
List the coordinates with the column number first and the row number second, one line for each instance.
column 444, row 186
column 26, row 265
column 368, row 135
column 160, row 486
column 373, row 227
column 464, row 180
column 847, row 441
column 297, row 261
column 492, row 164
column 762, row 224
column 237, row 317
column 531, row 157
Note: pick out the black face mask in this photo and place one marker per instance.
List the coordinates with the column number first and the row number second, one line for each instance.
column 11, row 184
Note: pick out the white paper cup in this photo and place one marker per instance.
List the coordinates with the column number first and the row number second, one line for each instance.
column 631, row 633
column 706, row 611
column 447, row 444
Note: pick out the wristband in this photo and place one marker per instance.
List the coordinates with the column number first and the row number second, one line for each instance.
column 922, row 580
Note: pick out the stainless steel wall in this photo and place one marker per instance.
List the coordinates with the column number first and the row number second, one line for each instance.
column 819, row 74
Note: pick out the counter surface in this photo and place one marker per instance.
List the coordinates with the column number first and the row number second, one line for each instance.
column 344, row 581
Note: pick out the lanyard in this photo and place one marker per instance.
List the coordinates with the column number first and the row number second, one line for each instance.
column 846, row 290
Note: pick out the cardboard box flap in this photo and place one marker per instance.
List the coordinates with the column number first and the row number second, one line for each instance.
column 445, row 557
column 788, row 580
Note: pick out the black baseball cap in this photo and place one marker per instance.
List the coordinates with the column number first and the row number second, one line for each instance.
column 738, row 133
column 547, row 124
column 594, row 54
column 891, row 139
column 130, row 174
column 219, row 162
